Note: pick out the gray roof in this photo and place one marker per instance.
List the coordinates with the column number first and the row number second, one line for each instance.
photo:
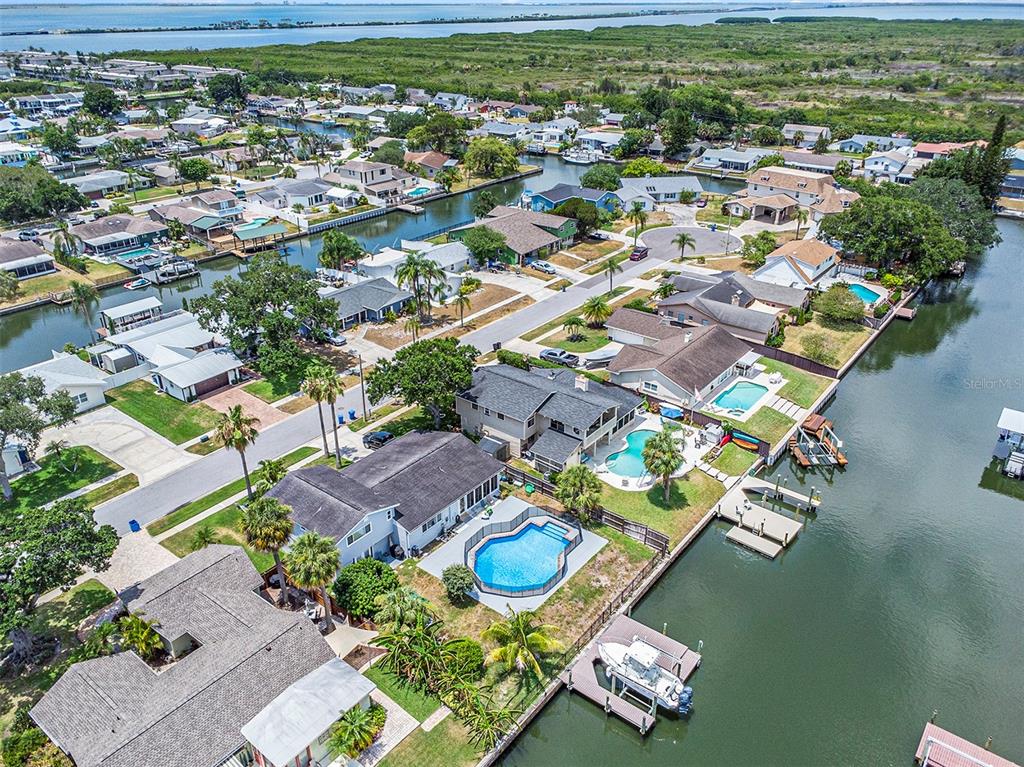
column 662, row 184
column 303, row 187
column 65, row 370
column 555, row 446
column 562, row 192
column 118, row 712
column 420, row 473
column 132, row 307
column 204, row 366
column 372, row 295
column 769, row 291
column 12, row 250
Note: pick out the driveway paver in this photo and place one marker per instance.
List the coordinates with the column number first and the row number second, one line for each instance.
column 221, row 401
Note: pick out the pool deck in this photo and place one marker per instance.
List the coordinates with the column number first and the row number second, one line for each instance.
column 451, row 552
column 648, row 422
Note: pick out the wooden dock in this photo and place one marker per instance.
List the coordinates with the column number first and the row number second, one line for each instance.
column 755, row 543
column 762, row 487
column 906, row 313
column 581, row 677
column 410, row 208
column 761, row 521
column 941, row 748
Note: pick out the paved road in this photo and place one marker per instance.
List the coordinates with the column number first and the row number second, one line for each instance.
column 707, row 242
column 201, row 477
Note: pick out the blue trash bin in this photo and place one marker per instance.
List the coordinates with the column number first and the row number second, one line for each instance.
column 341, row 418
column 134, row 526
column 714, row 227
column 352, row 414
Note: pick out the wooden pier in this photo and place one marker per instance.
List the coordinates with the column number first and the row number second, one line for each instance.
column 941, row 748
column 581, row 677
column 765, row 488
column 906, row 313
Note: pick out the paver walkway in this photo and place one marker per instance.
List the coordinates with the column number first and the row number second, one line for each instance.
column 398, row 726
column 435, row 719
column 225, row 399
column 787, row 408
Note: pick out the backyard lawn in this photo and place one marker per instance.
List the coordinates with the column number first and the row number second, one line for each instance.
column 169, row 417
column 96, row 271
column 77, row 467
column 734, row 460
column 801, row 387
column 468, row 619
column 48, row 283
column 767, row 424
column 418, row 704
column 447, row 745
column 843, row 340
column 227, row 528
column 690, row 498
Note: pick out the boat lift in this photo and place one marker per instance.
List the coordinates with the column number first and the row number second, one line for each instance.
column 816, row 443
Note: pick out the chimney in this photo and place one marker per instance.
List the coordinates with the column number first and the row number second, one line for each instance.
column 736, row 298
column 688, row 337
column 582, row 383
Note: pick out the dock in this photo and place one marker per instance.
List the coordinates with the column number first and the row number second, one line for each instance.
column 410, row 208
column 755, row 543
column 941, row 748
column 816, row 443
column 906, row 313
column 582, row 676
column 761, row 521
column 770, row 490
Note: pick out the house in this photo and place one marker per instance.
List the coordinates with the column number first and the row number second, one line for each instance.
column 233, row 159
column 555, row 417
column 369, row 301
column 911, row 169
column 930, row 151
column 403, row 495
column 362, row 173
column 1012, row 187
column 84, row 383
column 685, row 366
column 198, row 222
column 289, row 192
column 808, row 134
column 450, row 102
column 507, row 131
column 1011, row 428
column 805, row 187
column 199, row 374
column 201, row 125
column 727, row 158
column 652, row 190
column 554, row 133
column 527, row 234
column 104, row 182
column 556, row 195
column 13, row 154
column 16, row 128
column 219, row 202
column 774, row 193
column 599, row 141
column 613, row 119
column 452, row 257
column 818, row 163
column 859, row 142
column 885, row 165
column 246, row 683
column 24, row 258
column 518, row 111
column 798, row 264
column 117, row 233
column 430, row 163
column 128, row 315
column 1016, row 157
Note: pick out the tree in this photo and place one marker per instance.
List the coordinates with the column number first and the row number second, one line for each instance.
column 45, row 549
column 820, row 144
column 611, row 267
column 356, row 730
column 195, row 169
column 662, row 458
column 755, row 249
column 677, row 131
column 462, row 301
column 10, row 286
column 818, row 347
column 770, row 161
column 31, row 192
column 25, row 411
column 798, row 138
column 521, row 641
column 483, row 203
column 442, row 132
column 684, row 240
column 238, row 431
column 412, row 326
column 400, row 123
column 100, row 100
column 429, row 373
column 961, row 208
column 601, row 176
column 458, row 582
column 226, row 87
column 202, row 537
column 139, row 635
column 62, row 142
column 839, row 304
column 573, row 327
column 332, row 388
column 800, row 216
column 638, row 217
column 271, row 471
column 359, row 584
column 65, row 242
column 766, row 135
column 448, row 178
column 633, row 141
column 595, row 310
column 311, row 563
column 643, row 166
column 267, row 525
column 843, row 169
column 391, row 153
column 485, row 245
column 585, row 213
column 338, row 248
column 420, row 274
column 400, row 608
column 579, row 490
column 316, row 387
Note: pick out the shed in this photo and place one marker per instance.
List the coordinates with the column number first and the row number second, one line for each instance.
column 496, row 448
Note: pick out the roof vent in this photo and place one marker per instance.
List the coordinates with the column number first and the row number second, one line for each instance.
column 688, row 337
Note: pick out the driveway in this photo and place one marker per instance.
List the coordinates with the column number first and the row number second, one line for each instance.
column 123, row 439
column 708, row 242
column 222, row 400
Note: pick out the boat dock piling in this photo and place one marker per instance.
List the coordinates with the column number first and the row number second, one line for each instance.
column 581, row 677
column 778, row 491
column 941, row 748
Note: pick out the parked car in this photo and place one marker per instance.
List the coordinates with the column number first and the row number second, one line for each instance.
column 702, row 202
column 599, row 235
column 561, row 357
column 543, row 266
column 26, row 235
column 336, row 339
column 639, row 253
column 376, row 439
column 497, row 266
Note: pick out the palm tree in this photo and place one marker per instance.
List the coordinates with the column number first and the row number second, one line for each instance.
column 267, row 526
column 132, row 178
column 353, row 733
column 332, row 389
column 666, row 290
column 57, row 448
column 462, row 302
column 413, row 325
column 314, row 387
column 579, row 490
column 312, row 563
column 413, row 653
column 202, row 537
column 521, row 642
column 596, row 310
column 801, row 218
column 83, row 296
column 65, row 242
column 10, row 286
column 611, row 267
column 798, row 138
column 487, row 723
column 400, row 608
column 271, row 471
column 662, row 458
column 573, row 327
column 684, row 240
column 638, row 216
column 138, row 634
column 237, row 430
column 410, row 274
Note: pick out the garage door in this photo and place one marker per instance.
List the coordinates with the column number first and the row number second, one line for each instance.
column 211, row 384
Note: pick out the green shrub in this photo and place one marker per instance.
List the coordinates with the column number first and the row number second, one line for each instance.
column 896, row 296
column 515, row 359
column 467, row 656
column 881, row 309
column 359, row 584
column 18, row 747
column 640, row 305
column 378, row 716
column 458, row 582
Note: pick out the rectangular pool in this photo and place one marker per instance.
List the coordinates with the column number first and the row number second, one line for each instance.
column 864, row 293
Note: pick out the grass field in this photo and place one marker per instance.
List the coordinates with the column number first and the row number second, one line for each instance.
column 226, row 526
column 801, row 387
column 419, row 705
column 77, row 467
column 447, row 745
column 844, row 340
column 169, row 417
column 690, row 498
column 768, row 424
column 734, row 461
column 38, row 287
column 111, row 489
column 588, row 340
column 590, row 249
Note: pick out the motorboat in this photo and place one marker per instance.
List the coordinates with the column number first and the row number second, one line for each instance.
column 581, row 157
column 636, row 666
column 138, row 284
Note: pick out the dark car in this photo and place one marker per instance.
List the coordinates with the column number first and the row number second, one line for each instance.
column 639, row 254
column 560, row 356
column 376, row 439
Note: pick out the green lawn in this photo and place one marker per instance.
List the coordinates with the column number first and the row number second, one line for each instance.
column 226, row 525
column 842, row 340
column 447, row 745
column 768, row 424
column 54, row 481
column 273, row 389
column 419, row 705
column 801, row 387
column 599, row 266
column 690, row 498
column 111, row 489
column 148, row 195
column 734, row 460
column 200, row 505
column 375, row 415
column 171, row 418
column 540, row 330
column 587, row 341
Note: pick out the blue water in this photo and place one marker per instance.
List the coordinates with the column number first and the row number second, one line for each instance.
column 256, row 223
column 630, row 462
column 867, row 295
column 521, row 561
column 740, row 396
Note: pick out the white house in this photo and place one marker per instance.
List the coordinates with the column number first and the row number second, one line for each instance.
column 798, row 263
column 809, row 134
column 286, row 193
column 652, row 190
column 599, row 141
column 859, row 142
column 84, row 383
column 452, row 257
column 887, row 165
column 727, row 158
column 16, row 155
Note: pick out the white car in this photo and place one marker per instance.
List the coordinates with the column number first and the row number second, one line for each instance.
column 543, row 266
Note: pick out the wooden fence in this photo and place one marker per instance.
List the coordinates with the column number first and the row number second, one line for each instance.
column 795, row 360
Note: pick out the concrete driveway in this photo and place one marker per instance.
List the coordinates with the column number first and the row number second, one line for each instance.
column 225, row 399
column 708, row 242
column 123, row 439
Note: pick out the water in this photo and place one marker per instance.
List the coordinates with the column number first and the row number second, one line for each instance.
column 865, row 294
column 904, row 595
column 630, row 462
column 740, row 396
column 27, row 337
column 522, row 561
column 30, row 17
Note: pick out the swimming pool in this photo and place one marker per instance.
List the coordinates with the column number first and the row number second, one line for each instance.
column 740, row 396
column 137, row 253
column 256, row 223
column 864, row 293
column 630, row 462
column 418, row 191
column 526, row 560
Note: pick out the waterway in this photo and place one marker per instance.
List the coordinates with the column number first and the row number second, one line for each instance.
column 28, row 336
column 905, row 595
column 54, row 18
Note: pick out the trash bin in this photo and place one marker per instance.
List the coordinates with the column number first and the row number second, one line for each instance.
column 134, row 526
column 352, row 414
column 341, row 418
column 714, row 227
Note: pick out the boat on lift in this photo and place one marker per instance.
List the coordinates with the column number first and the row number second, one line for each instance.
column 636, row 666
column 581, row 157
column 138, row 284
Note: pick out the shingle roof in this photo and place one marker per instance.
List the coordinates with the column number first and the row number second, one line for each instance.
column 522, row 228
column 562, row 192
column 635, row 321
column 555, row 446
column 117, row 224
column 14, row 250
column 814, row 252
column 372, row 295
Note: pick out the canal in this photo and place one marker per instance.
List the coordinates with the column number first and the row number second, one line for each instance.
column 905, row 595
column 26, row 337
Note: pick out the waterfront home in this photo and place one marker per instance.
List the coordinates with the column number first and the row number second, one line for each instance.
column 151, row 138
column 910, row 170
column 362, row 174
column 430, row 163
column 552, row 417
column 599, row 141
column 560, row 193
column 238, row 681
column 773, row 193
column 453, row 258
column 1012, row 186
column 24, row 258
column 727, row 158
column 104, row 182
column 931, row 150
column 860, row 142
column 528, row 234
column 16, row 128
column 818, row 163
column 555, row 132
column 201, row 125
column 13, row 154
column 84, row 383
column 233, row 159
column 684, row 366
column 126, row 316
column 506, row 131
column 652, row 190
column 118, row 233
column 289, row 192
column 369, row 301
column 198, row 222
column 219, row 202
column 1016, row 156
column 885, row 165
column 402, row 495
column 808, row 134
column 1011, row 428
column 798, row 264
column 50, row 104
